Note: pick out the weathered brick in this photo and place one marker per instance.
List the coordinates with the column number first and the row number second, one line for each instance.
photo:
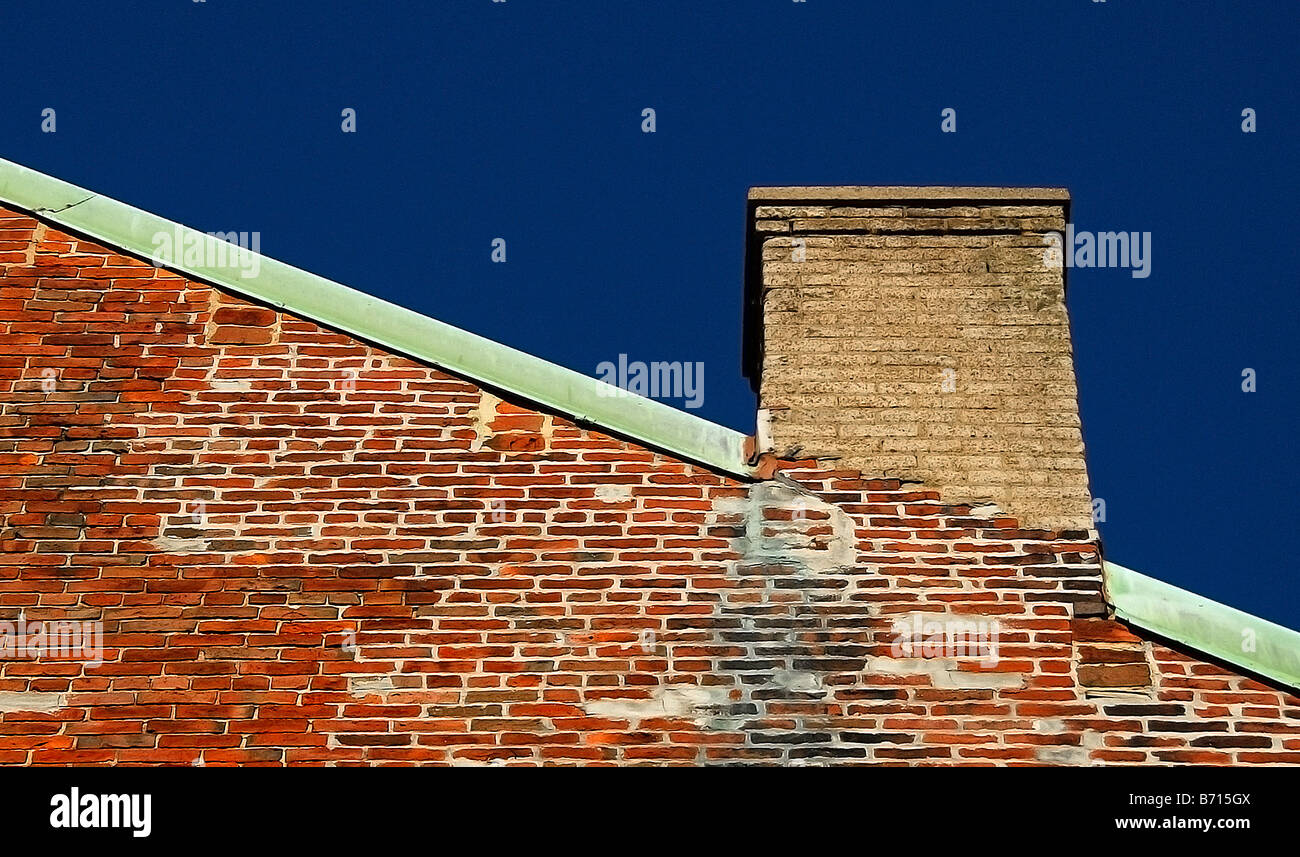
column 308, row 550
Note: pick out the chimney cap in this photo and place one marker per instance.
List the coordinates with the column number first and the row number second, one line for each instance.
column 818, row 193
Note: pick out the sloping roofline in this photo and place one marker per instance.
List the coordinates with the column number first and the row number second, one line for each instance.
column 586, row 400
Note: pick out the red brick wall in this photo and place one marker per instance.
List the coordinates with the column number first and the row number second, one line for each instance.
column 305, row 550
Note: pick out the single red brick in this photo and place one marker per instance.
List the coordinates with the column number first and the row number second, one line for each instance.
column 1115, row 675
column 246, row 316
column 241, row 336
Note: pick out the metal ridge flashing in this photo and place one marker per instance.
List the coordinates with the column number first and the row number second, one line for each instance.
column 585, row 399
column 1225, row 632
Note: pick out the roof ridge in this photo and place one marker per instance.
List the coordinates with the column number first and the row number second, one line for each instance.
column 556, row 388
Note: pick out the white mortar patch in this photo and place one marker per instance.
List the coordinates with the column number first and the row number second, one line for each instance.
column 789, row 541
column 799, row 681
column 484, row 414
column 612, row 493
column 230, row 385
column 368, row 685
column 673, row 700
column 988, row 510
column 45, row 703
column 174, row 545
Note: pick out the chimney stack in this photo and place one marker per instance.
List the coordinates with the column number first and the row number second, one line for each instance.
column 920, row 333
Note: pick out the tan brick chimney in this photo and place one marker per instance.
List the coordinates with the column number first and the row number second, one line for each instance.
column 920, row 333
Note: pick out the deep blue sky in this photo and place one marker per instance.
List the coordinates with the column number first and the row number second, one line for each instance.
column 522, row 120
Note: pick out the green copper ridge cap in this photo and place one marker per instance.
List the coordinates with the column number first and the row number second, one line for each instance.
column 572, row 394
column 1225, row 632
